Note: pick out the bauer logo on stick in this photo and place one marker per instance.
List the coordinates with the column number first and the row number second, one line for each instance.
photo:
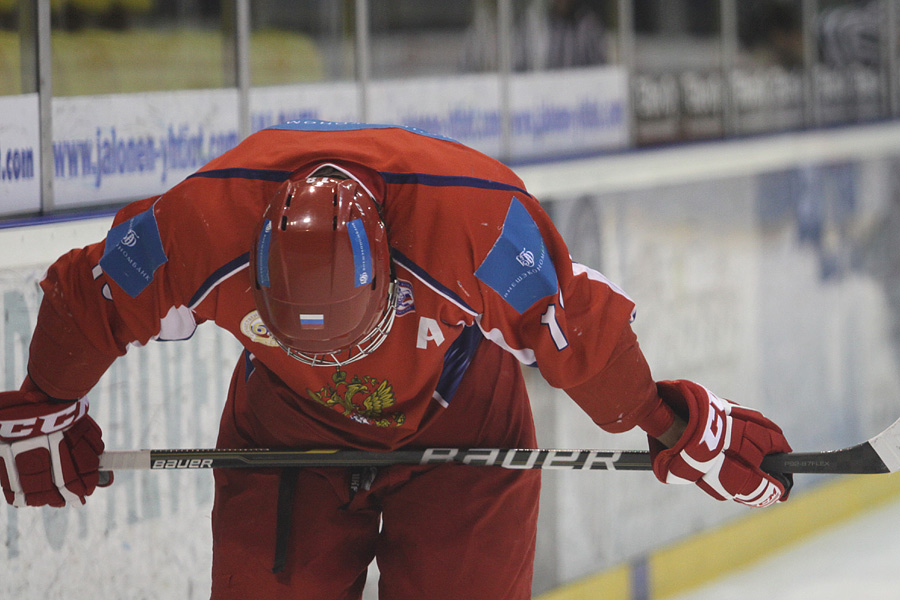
column 187, row 463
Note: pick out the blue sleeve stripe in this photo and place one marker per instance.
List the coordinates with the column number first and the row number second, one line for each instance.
column 218, row 276
column 456, row 363
column 430, row 281
column 240, row 173
column 448, row 181
column 249, row 367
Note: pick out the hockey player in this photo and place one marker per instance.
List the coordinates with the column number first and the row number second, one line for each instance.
column 386, row 285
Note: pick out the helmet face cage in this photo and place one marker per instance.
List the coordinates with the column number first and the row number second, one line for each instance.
column 360, row 349
column 326, row 295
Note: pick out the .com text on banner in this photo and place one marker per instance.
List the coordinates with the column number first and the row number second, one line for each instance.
column 20, row 162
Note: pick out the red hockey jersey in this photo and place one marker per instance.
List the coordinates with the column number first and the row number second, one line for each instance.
column 474, row 254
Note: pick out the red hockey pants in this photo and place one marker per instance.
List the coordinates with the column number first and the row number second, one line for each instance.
column 447, row 532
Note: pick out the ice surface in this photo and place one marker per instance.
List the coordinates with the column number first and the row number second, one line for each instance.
column 857, row 559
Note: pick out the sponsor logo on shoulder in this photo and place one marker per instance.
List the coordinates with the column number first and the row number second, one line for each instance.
column 526, row 258
column 130, row 238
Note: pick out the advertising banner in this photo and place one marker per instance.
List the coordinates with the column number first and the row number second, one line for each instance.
column 20, row 157
column 569, row 111
column 125, row 146
column 553, row 113
column 465, row 108
column 335, row 101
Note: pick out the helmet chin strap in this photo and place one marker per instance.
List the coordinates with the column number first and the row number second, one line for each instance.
column 358, row 350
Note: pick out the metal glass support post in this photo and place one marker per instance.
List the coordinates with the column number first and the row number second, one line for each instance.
column 729, row 32
column 504, row 72
column 28, row 60
column 37, row 76
column 626, row 43
column 809, row 20
column 242, row 64
column 889, row 56
column 363, row 55
column 237, row 58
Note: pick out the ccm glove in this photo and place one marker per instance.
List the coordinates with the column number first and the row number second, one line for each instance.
column 722, row 447
column 49, row 449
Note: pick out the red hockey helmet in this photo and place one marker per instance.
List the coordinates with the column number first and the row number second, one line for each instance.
column 321, row 270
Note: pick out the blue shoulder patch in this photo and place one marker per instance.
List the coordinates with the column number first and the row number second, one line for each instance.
column 133, row 252
column 518, row 267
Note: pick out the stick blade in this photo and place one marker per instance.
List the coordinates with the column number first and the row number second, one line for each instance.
column 880, row 454
column 861, row 459
column 887, row 445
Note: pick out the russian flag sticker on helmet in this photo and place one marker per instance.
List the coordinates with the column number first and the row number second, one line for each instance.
column 312, row 321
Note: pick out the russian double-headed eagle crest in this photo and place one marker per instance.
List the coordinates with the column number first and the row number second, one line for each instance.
column 362, row 399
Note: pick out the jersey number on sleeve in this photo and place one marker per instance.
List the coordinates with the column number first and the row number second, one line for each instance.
column 549, row 319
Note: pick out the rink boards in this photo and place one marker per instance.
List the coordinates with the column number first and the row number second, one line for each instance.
column 762, row 268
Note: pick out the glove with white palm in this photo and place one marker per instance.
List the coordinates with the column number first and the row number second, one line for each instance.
column 721, row 448
column 49, row 449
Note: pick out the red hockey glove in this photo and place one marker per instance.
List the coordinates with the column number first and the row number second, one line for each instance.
column 722, row 447
column 49, row 450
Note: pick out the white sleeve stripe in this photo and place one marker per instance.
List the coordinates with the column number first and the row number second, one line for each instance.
column 593, row 275
column 524, row 356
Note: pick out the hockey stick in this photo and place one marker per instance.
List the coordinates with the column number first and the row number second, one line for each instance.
column 880, row 454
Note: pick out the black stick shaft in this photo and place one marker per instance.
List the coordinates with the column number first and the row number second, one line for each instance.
column 858, row 459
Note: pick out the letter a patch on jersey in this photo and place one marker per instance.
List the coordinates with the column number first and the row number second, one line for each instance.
column 518, row 267
column 133, row 252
